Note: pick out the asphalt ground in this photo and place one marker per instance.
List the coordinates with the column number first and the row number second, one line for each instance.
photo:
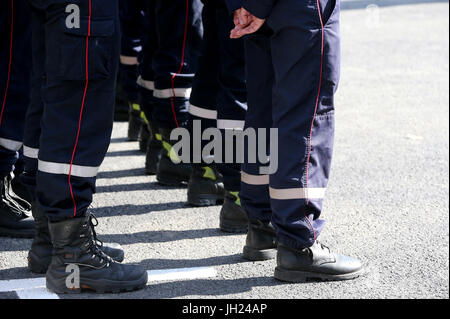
column 387, row 201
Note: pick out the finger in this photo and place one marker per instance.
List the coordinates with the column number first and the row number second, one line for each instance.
column 244, row 17
column 234, row 34
column 254, row 26
column 236, row 17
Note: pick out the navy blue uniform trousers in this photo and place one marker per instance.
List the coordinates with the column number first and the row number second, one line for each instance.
column 219, row 95
column 293, row 67
column 169, row 61
column 69, row 123
column 132, row 30
column 15, row 65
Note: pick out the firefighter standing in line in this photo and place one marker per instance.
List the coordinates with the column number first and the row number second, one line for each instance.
column 167, row 67
column 293, row 64
column 67, row 133
column 15, row 63
column 219, row 99
column 133, row 31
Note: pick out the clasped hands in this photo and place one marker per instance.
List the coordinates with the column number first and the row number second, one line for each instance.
column 245, row 23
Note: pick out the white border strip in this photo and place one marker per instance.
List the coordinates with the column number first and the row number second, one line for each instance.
column 30, row 152
column 64, row 169
column 36, row 293
column 181, row 274
column 169, row 93
column 202, row 112
column 254, row 179
column 35, row 288
column 149, row 85
column 297, row 193
column 10, row 144
column 230, row 124
column 21, row 284
column 128, row 60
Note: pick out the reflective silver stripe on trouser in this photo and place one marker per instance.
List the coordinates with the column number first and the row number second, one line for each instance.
column 297, row 193
column 169, row 93
column 128, row 60
column 64, row 169
column 10, row 144
column 149, row 85
column 230, row 124
column 254, row 179
column 30, row 152
column 203, row 113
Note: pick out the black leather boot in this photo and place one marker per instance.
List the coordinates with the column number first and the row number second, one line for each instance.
column 261, row 241
column 154, row 150
column 75, row 250
column 121, row 105
column 134, row 122
column 233, row 218
column 315, row 262
column 40, row 254
column 15, row 220
column 169, row 173
column 144, row 137
column 205, row 186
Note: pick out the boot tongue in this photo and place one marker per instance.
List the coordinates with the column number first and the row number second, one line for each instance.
column 321, row 253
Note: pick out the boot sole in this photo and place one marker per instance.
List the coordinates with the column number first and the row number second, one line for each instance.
column 134, row 127
column 303, row 276
column 17, row 233
column 253, row 254
column 171, row 180
column 150, row 171
column 205, row 200
column 100, row 286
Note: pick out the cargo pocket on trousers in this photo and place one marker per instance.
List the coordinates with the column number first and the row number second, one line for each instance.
column 73, row 50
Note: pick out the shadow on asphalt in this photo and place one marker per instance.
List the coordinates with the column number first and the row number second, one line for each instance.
column 135, row 187
column 362, row 4
column 162, row 236
column 125, row 153
column 158, row 264
column 125, row 210
column 122, row 173
column 17, row 273
column 119, row 140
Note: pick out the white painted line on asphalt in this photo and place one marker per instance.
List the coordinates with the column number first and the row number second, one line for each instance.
column 181, row 274
column 21, row 284
column 36, row 293
column 35, row 288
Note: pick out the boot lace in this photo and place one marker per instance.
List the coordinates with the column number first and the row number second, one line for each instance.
column 324, row 247
column 10, row 203
column 96, row 244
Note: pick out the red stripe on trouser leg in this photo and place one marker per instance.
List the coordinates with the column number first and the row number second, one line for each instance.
column 315, row 109
column 10, row 62
column 82, row 108
column 182, row 64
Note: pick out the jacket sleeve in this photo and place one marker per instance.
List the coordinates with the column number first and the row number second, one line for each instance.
column 259, row 8
column 233, row 5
